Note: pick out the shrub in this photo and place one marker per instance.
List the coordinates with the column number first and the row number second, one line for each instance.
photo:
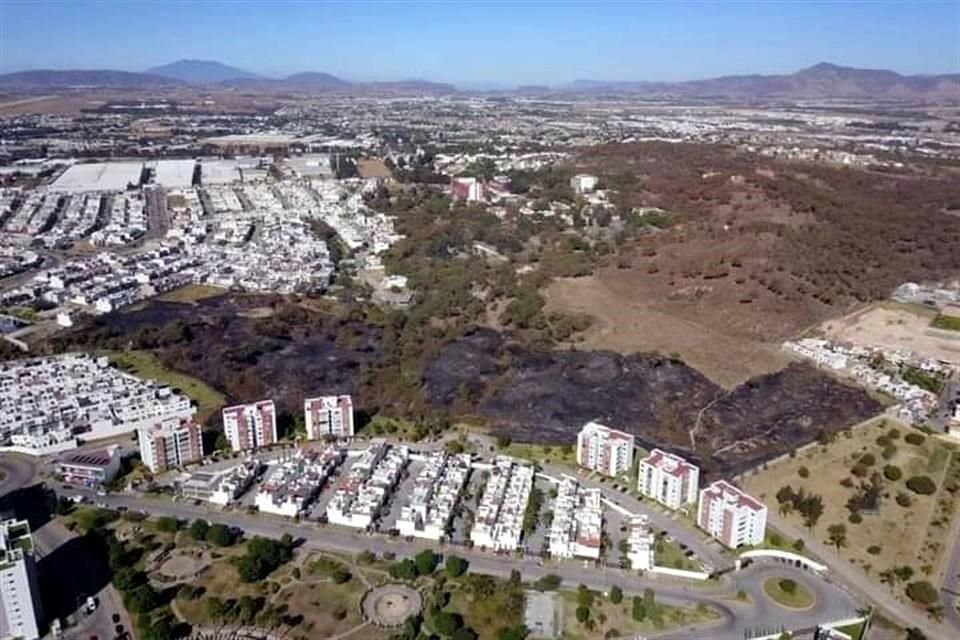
column 220, row 535
column 867, row 459
column 922, row 485
column 803, row 472
column 893, row 434
column 889, row 451
column 904, row 500
column 549, row 582
column 923, row 592
column 616, row 594
column 198, row 529
column 799, row 544
column 168, row 524
column 892, row 472
column 883, row 441
column 914, row 438
column 788, row 586
column 583, row 614
column 455, row 566
column 860, row 470
column 426, row 562
column 855, row 518
column 847, row 482
column 874, row 549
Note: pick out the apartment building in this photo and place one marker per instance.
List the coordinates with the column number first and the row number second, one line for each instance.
column 170, row 443
column 436, row 492
column 364, row 489
column 294, row 483
column 21, row 611
column 577, row 526
column 605, row 450
column 498, row 523
column 328, row 416
column 731, row 516
column 250, row 426
column 668, row 479
column 583, row 183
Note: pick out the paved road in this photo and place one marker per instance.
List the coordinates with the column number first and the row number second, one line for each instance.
column 873, row 591
column 832, row 603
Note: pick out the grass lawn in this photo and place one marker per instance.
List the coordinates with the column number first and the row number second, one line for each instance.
column 191, row 293
column 950, row 323
column 852, row 630
column 800, row 598
column 606, row 616
column 552, row 454
column 667, row 553
column 144, row 364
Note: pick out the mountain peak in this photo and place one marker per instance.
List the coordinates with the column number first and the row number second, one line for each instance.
column 200, row 71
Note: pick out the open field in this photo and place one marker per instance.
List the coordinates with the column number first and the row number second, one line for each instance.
column 145, row 365
column 907, row 529
column 896, row 326
column 629, row 318
column 372, row 168
column 604, row 616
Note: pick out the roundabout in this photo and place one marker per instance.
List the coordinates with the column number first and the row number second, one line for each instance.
column 789, row 593
column 389, row 605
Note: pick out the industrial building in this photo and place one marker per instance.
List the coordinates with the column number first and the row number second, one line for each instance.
column 99, row 176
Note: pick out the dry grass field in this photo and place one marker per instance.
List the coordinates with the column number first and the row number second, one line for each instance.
column 896, row 326
column 630, row 317
column 908, row 529
column 372, row 168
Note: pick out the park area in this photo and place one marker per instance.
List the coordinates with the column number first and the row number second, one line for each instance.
column 883, row 494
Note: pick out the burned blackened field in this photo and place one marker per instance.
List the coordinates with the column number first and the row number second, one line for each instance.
column 251, row 347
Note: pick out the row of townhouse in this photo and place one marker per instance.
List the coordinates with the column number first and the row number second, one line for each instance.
column 577, row 526
column 295, row 482
column 224, row 486
column 363, row 491
column 430, row 508
column 498, row 522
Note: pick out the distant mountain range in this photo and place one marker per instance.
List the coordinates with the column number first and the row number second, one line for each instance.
column 823, row 80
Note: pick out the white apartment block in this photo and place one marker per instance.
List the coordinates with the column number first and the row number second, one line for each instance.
column 364, row 489
column 295, row 482
column 583, row 183
column 640, row 544
column 731, row 516
column 46, row 401
column 668, row 479
column 250, row 426
column 577, row 526
column 21, row 610
column 170, row 443
column 498, row 523
column 436, row 492
column 328, row 416
column 605, row 450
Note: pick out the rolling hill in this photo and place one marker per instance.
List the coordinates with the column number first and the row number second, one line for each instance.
column 200, row 72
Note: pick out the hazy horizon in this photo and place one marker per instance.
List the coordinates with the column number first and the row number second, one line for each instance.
column 486, row 43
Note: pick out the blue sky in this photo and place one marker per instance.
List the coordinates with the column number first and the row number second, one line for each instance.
column 485, row 42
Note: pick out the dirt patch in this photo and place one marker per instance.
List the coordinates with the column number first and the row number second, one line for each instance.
column 896, row 326
column 627, row 320
column 372, row 168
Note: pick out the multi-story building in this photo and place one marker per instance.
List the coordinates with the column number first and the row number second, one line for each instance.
column 328, row 416
column 222, row 487
column 295, row 482
column 467, row 189
column 731, row 516
column 640, row 546
column 498, row 523
column 604, row 450
column 577, row 526
column 583, row 183
column 21, row 611
column 364, row 489
column 171, row 443
column 429, row 509
column 668, row 479
column 250, row 426
column 90, row 468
